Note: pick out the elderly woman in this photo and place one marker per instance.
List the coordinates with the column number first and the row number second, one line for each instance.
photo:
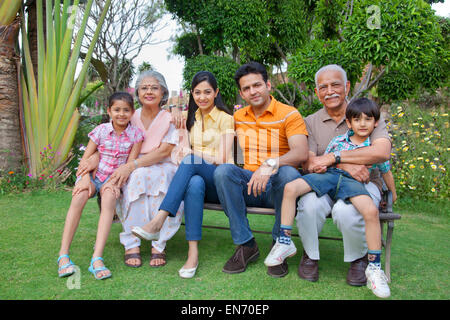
column 148, row 177
column 211, row 131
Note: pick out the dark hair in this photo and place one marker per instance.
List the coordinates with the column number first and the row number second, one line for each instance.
column 192, row 106
column 362, row 105
column 124, row 96
column 251, row 67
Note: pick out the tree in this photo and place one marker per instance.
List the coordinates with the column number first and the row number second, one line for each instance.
column 129, row 26
column 10, row 142
column 368, row 38
column 223, row 69
column 379, row 37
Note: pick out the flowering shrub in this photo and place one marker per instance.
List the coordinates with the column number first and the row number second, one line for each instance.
column 420, row 151
column 21, row 180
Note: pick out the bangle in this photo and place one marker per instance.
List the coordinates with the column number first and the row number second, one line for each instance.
column 135, row 163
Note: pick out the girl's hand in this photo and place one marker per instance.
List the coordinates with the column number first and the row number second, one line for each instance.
column 87, row 165
column 83, row 184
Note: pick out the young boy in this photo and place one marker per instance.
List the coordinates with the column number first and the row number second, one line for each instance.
column 362, row 117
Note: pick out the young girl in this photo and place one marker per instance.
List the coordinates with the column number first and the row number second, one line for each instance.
column 211, row 131
column 362, row 117
column 116, row 142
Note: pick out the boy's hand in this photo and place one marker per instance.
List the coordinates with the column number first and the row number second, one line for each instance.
column 394, row 196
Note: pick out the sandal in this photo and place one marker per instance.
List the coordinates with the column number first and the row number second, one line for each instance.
column 66, row 274
column 161, row 256
column 97, row 270
column 135, row 255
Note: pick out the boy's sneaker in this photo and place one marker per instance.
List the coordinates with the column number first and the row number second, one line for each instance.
column 377, row 281
column 279, row 252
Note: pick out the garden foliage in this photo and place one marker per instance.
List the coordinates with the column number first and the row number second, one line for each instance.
column 420, row 151
column 223, row 69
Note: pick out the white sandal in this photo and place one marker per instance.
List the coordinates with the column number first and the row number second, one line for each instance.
column 187, row 273
column 141, row 233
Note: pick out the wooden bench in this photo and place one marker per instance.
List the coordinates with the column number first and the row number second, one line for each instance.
column 387, row 217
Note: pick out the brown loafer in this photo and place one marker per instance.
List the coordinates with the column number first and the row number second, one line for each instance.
column 308, row 268
column 278, row 271
column 356, row 275
column 240, row 259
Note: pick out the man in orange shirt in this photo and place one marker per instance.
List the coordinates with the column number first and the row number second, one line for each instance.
column 273, row 138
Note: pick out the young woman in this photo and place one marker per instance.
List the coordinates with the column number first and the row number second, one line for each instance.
column 211, row 133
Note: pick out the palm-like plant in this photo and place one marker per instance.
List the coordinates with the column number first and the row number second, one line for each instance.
column 50, row 101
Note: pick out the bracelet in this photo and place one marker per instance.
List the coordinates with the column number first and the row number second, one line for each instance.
column 135, row 163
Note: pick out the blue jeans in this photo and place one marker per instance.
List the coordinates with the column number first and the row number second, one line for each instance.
column 194, row 183
column 231, row 184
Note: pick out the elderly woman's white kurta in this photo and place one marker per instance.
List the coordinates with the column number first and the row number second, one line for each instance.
column 142, row 196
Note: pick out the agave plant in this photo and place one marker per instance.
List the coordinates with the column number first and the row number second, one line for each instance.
column 8, row 11
column 50, row 102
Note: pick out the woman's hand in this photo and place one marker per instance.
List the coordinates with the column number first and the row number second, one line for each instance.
column 178, row 119
column 121, row 174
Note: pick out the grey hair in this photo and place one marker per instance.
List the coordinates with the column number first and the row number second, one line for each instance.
column 162, row 82
column 331, row 67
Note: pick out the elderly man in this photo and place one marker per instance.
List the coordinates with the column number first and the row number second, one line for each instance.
column 332, row 88
column 273, row 139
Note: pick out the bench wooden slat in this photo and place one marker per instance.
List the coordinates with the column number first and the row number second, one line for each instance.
column 385, row 216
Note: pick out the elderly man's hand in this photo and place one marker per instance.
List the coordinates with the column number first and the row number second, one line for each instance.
column 323, row 161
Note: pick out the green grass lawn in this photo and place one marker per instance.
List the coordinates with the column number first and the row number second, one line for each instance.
column 32, row 226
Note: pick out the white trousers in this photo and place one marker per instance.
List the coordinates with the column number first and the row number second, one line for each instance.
column 312, row 212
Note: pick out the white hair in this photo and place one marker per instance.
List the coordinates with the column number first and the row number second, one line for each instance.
column 331, row 67
column 162, row 82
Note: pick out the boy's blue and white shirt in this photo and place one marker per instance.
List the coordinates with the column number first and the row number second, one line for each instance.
column 343, row 143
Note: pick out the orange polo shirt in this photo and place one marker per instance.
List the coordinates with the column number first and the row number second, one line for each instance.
column 267, row 136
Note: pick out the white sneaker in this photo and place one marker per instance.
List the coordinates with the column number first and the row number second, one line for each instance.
column 279, row 252
column 377, row 281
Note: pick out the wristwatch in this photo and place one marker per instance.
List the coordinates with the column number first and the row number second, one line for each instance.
column 337, row 156
column 271, row 163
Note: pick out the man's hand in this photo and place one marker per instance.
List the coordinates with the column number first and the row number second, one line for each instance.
column 358, row 171
column 259, row 179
